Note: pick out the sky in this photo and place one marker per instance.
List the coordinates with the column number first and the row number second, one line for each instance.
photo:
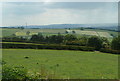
column 44, row 13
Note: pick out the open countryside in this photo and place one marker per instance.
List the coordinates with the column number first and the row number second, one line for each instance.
column 63, row 41
column 65, row 64
column 19, row 32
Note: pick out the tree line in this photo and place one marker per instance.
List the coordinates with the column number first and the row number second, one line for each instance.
column 93, row 41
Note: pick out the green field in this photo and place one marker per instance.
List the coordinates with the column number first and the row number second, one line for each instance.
column 8, row 31
column 66, row 64
column 48, row 32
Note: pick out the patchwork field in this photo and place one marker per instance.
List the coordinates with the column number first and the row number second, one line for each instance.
column 48, row 32
column 66, row 64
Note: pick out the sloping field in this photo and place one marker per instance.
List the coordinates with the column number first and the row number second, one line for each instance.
column 8, row 32
column 22, row 33
column 86, row 32
column 19, row 32
column 96, row 33
column 65, row 64
column 104, row 34
column 43, row 31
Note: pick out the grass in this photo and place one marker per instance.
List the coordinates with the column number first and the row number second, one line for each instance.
column 8, row 32
column 48, row 32
column 66, row 64
column 43, row 31
column 98, row 30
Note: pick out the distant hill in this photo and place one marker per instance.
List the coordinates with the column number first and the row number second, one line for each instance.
column 61, row 26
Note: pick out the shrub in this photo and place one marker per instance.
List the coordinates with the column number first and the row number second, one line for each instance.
column 48, row 46
column 76, row 43
column 13, row 73
column 110, row 51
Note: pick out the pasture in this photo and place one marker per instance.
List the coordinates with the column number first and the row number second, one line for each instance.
column 64, row 63
column 47, row 32
column 43, row 31
column 8, row 31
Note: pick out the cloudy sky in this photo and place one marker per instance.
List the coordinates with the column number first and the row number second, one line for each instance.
column 42, row 13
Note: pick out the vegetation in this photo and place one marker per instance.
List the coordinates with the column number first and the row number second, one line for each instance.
column 95, row 42
column 116, row 43
column 66, row 58
column 63, row 63
column 13, row 73
column 19, row 73
column 45, row 46
column 67, row 42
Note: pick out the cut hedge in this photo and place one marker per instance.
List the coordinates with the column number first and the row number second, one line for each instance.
column 46, row 46
column 110, row 51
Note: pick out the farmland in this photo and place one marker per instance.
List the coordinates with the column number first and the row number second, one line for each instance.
column 47, row 32
column 51, row 51
column 66, row 64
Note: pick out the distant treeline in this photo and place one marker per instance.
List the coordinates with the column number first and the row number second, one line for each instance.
column 68, row 42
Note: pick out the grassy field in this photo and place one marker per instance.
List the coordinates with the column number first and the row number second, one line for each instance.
column 98, row 30
column 8, row 32
column 43, row 31
column 20, row 32
column 66, row 64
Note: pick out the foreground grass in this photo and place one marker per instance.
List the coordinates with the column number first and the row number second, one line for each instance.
column 66, row 64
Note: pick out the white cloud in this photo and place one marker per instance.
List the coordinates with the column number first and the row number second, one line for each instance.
column 62, row 16
column 34, row 16
column 0, row 14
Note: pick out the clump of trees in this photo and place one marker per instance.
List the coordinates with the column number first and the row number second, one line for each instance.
column 21, row 28
column 95, row 41
column 48, row 39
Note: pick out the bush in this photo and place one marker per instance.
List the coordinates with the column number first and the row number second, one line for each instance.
column 20, row 74
column 47, row 46
column 13, row 73
column 110, row 51
column 76, row 43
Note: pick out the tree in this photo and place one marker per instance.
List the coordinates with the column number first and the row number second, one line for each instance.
column 41, row 37
column 116, row 43
column 83, row 41
column 39, row 34
column 38, row 38
column 70, row 37
column 81, row 28
column 56, row 38
column 21, row 27
column 106, row 43
column 95, row 41
column 28, row 32
column 34, row 38
column 73, row 31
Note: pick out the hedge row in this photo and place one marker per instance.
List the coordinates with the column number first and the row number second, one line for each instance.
column 47, row 46
column 110, row 51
